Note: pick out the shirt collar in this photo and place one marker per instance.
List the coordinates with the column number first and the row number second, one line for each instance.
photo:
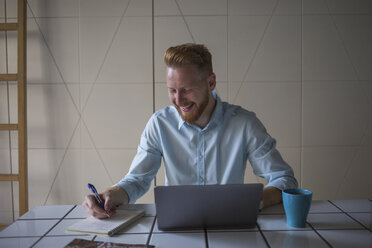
column 216, row 117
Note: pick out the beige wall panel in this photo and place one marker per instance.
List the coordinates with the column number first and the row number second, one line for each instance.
column 96, row 35
column 356, row 182
column 161, row 96
column 277, row 105
column 43, row 166
column 169, row 31
column 324, row 169
column 116, row 114
column 118, row 163
column 41, row 65
column 130, row 56
column 166, row 8
column 52, row 116
column 355, row 33
column 278, row 56
column 335, row 113
column 203, row 7
column 2, row 45
column 324, row 56
column 140, row 8
column 62, row 38
column 54, row 8
column 77, row 169
column 244, row 36
column 6, row 214
column 98, row 8
column 251, row 7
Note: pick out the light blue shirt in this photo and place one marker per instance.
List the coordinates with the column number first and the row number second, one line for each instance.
column 216, row 154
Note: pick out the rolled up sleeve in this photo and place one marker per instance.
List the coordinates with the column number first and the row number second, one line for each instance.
column 267, row 162
column 145, row 164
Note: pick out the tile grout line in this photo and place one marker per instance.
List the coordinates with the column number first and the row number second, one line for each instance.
column 206, row 238
column 227, row 51
column 256, row 51
column 184, row 20
column 151, row 231
column 263, row 236
column 153, row 65
column 319, row 234
column 347, row 214
column 79, row 70
column 153, row 55
column 50, row 229
column 302, row 99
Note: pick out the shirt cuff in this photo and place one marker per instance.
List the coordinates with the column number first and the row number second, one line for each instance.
column 284, row 183
column 131, row 191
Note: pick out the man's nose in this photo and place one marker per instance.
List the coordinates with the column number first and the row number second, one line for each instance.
column 179, row 98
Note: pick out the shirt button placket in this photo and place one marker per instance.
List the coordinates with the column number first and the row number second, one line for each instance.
column 201, row 159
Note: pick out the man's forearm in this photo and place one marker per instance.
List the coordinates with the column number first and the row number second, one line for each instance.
column 271, row 196
column 118, row 195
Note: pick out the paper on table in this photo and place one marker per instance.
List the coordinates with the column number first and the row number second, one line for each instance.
column 108, row 226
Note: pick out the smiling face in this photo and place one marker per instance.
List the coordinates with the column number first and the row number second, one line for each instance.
column 191, row 93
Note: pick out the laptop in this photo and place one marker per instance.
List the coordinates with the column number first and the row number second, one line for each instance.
column 207, row 206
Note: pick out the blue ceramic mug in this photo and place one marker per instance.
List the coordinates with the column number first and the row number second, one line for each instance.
column 296, row 204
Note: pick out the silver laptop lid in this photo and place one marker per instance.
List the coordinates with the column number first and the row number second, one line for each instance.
column 209, row 206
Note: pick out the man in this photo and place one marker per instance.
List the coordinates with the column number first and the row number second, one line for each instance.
column 201, row 139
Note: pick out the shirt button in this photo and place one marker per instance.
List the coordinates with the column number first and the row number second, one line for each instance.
column 201, row 155
column 201, row 180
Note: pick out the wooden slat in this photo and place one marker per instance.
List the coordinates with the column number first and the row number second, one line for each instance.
column 8, row 26
column 22, row 107
column 8, row 126
column 8, row 77
column 9, row 177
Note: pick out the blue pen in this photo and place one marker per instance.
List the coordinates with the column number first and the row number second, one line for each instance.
column 93, row 189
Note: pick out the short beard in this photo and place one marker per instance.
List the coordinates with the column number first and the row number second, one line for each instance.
column 191, row 118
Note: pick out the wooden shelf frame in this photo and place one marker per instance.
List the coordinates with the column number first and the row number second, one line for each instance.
column 21, row 127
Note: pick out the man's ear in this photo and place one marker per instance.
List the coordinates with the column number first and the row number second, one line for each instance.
column 212, row 81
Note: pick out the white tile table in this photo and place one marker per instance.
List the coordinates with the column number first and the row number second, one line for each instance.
column 341, row 223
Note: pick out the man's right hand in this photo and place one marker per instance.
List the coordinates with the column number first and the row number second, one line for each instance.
column 112, row 198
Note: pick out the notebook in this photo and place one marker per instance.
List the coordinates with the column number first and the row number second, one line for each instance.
column 108, row 226
column 83, row 243
column 208, row 206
